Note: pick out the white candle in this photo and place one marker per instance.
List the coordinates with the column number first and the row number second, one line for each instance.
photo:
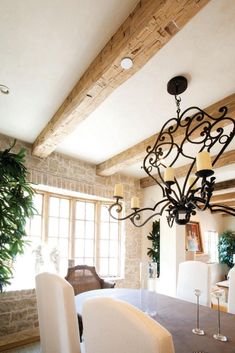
column 118, row 190
column 135, row 202
column 203, row 161
column 234, row 259
column 169, row 174
column 191, row 181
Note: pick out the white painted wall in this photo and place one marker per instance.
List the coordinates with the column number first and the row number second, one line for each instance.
column 229, row 223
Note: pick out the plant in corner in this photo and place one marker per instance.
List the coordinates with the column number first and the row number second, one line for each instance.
column 226, row 248
column 16, row 205
column 154, row 251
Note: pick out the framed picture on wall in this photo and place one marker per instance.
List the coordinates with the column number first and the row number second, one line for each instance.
column 193, row 239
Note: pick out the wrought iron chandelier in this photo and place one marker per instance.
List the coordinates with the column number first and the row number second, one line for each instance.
column 203, row 135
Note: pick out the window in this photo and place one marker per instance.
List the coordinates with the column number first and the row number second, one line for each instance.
column 85, row 240
column 69, row 228
column 109, row 242
column 211, row 245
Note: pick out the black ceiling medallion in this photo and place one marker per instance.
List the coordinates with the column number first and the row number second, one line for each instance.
column 205, row 138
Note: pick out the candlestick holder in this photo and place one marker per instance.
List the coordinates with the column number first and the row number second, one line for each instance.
column 218, row 336
column 197, row 330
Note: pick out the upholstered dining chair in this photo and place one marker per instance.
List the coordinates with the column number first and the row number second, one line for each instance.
column 194, row 275
column 84, row 278
column 114, row 326
column 231, row 293
column 58, row 323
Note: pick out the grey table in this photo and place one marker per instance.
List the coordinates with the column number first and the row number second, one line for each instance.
column 179, row 317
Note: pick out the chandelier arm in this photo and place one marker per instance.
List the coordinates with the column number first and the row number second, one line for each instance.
column 118, row 208
column 179, row 190
column 169, row 190
column 221, row 208
column 135, row 217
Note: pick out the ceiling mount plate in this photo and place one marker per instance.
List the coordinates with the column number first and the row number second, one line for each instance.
column 177, row 85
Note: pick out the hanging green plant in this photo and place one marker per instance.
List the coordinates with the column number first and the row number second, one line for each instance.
column 226, row 247
column 16, row 205
column 154, row 251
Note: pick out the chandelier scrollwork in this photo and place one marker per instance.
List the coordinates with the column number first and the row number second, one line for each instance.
column 203, row 136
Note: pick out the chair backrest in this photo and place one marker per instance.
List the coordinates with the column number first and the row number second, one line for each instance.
column 231, row 292
column 83, row 278
column 114, row 326
column 58, row 323
column 194, row 275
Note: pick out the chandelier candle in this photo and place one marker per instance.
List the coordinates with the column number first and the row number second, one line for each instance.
column 202, row 136
column 118, row 191
column 135, row 203
column 204, row 166
column 169, row 175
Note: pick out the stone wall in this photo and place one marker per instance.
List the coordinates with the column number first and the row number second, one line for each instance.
column 18, row 311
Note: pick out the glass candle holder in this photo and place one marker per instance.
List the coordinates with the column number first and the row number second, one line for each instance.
column 218, row 336
column 197, row 330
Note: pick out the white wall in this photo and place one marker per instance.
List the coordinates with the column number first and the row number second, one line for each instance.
column 229, row 223
column 172, row 245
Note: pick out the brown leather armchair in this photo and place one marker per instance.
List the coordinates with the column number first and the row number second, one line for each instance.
column 84, row 278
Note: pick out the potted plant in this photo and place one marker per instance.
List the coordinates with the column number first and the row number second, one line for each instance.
column 154, row 251
column 226, row 248
column 16, row 205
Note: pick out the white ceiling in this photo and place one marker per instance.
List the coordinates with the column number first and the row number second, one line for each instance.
column 46, row 46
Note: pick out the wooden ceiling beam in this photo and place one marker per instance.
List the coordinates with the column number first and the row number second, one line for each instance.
column 229, row 196
column 227, row 158
column 223, row 185
column 147, row 29
column 138, row 152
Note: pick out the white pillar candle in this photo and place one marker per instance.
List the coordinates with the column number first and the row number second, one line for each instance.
column 118, row 190
column 191, row 181
column 234, row 259
column 135, row 202
column 203, row 161
column 169, row 174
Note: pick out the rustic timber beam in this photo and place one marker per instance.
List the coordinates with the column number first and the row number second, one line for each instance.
column 223, row 185
column 146, row 30
column 226, row 158
column 138, row 152
column 227, row 203
column 229, row 196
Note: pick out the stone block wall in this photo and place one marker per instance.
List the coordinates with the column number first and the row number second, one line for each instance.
column 18, row 311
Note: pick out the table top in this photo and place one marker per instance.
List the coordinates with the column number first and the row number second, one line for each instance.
column 178, row 317
column 223, row 284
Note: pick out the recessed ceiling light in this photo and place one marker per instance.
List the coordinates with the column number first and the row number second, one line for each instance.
column 4, row 89
column 126, row 63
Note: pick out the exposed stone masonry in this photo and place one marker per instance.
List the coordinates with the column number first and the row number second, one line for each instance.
column 18, row 311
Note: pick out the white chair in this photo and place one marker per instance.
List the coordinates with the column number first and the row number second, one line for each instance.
column 194, row 275
column 58, row 323
column 114, row 326
column 231, row 293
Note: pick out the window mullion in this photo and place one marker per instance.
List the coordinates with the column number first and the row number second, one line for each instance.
column 97, row 234
column 72, row 229
column 45, row 218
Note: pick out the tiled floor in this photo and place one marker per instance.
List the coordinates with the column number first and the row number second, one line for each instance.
column 29, row 348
